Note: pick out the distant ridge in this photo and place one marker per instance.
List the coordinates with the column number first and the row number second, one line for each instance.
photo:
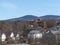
column 24, row 18
column 31, row 17
column 55, row 17
column 28, row 17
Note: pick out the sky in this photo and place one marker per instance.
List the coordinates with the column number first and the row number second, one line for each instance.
column 18, row 8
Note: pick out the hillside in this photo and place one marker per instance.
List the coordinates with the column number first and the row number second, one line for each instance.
column 31, row 17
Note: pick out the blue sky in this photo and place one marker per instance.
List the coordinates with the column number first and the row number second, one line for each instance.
column 17, row 8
